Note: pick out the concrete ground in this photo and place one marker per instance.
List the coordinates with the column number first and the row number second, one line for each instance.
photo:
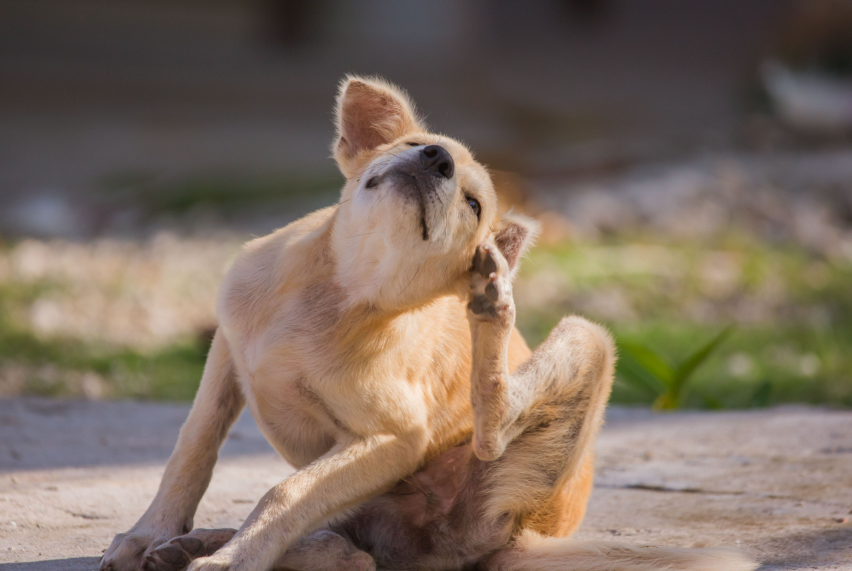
column 776, row 483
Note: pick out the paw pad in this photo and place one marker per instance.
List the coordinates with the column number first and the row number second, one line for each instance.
column 491, row 288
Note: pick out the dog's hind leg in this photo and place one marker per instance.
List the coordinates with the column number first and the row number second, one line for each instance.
column 556, row 400
column 322, row 550
column 538, row 423
column 538, row 426
column 325, row 550
column 574, row 364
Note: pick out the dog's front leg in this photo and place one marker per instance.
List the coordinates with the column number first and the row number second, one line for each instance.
column 217, row 404
column 348, row 474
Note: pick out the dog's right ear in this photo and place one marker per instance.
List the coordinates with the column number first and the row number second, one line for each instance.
column 369, row 113
column 514, row 235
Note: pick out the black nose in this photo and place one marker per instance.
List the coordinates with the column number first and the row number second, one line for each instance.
column 437, row 160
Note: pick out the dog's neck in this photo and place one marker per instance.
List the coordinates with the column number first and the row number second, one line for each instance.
column 382, row 278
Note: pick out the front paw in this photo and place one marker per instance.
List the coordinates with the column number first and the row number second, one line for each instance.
column 490, row 285
column 127, row 551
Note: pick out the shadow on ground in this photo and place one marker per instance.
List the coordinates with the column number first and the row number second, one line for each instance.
column 77, row 433
column 72, row 564
column 812, row 549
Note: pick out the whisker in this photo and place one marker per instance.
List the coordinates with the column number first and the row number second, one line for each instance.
column 412, row 278
column 370, row 214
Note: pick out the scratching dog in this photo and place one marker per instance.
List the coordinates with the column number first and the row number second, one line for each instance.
column 374, row 343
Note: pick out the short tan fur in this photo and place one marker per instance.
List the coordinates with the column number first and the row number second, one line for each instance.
column 374, row 343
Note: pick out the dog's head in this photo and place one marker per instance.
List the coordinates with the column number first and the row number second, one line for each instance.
column 415, row 204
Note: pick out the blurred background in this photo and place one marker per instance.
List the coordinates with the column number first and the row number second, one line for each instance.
column 691, row 163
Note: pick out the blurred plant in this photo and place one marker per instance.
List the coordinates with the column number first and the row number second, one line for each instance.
column 760, row 397
column 647, row 370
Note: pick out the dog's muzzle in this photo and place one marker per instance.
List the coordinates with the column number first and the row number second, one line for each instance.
column 420, row 176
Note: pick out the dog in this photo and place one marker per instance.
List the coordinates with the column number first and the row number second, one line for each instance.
column 374, row 343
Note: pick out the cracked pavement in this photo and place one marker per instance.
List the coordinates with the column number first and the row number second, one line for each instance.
column 777, row 482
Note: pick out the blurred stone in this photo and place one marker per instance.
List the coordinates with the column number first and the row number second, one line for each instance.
column 141, row 295
column 740, row 365
column 720, row 274
column 809, row 100
column 809, row 364
column 43, row 214
column 799, row 198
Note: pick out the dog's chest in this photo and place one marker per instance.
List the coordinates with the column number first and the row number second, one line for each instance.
column 314, row 377
column 307, row 393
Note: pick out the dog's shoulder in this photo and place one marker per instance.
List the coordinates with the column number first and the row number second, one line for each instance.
column 270, row 267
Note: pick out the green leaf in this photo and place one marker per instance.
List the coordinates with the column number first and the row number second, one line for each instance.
column 712, row 402
column 639, row 378
column 666, row 401
column 760, row 397
column 690, row 364
column 651, row 361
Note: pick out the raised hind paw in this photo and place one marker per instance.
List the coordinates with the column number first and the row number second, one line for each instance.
column 177, row 554
column 490, row 285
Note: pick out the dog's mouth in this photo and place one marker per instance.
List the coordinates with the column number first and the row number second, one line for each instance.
column 423, row 225
column 419, row 189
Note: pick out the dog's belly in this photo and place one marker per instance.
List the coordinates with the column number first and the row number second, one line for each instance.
column 432, row 519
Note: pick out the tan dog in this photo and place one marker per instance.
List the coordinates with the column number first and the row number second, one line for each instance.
column 374, row 343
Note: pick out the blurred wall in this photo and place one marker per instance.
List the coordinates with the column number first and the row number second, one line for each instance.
column 94, row 90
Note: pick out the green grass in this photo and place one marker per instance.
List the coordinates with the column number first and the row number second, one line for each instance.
column 172, row 373
column 756, row 366
column 51, row 366
column 650, row 372
column 792, row 311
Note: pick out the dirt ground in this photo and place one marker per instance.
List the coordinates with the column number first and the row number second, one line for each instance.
column 776, row 483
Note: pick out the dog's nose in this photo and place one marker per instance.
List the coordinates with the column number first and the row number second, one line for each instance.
column 437, row 160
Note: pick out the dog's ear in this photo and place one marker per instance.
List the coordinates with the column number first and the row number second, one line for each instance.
column 370, row 112
column 514, row 235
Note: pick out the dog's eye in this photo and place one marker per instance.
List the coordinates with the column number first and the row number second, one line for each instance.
column 474, row 204
column 414, row 144
column 372, row 183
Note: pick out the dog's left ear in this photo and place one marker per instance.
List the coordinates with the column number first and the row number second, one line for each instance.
column 514, row 235
column 370, row 112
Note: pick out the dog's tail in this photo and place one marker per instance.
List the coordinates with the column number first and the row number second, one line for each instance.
column 532, row 552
